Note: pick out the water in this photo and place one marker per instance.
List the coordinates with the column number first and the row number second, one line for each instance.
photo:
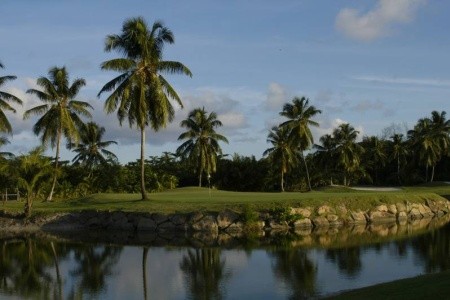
column 282, row 266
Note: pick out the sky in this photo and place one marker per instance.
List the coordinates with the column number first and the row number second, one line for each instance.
column 370, row 63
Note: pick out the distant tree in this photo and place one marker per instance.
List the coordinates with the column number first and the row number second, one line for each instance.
column 60, row 112
column 398, row 150
column 5, row 99
column 348, row 152
column 33, row 170
column 202, row 146
column 91, row 150
column 300, row 115
column 140, row 93
column 283, row 154
column 374, row 156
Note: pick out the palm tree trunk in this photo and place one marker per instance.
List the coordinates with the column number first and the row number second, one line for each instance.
column 307, row 172
column 144, row 271
column 143, row 192
column 200, row 178
column 55, row 175
column 398, row 169
column 282, row 181
column 58, row 274
column 432, row 174
column 426, row 173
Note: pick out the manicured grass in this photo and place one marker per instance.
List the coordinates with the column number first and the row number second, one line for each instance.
column 432, row 286
column 194, row 199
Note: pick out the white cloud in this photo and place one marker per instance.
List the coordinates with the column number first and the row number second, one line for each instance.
column 379, row 21
column 276, row 96
column 436, row 82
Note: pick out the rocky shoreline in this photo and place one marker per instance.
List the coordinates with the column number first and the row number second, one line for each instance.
column 228, row 221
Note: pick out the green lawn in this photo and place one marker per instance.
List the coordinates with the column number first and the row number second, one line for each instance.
column 433, row 286
column 194, row 199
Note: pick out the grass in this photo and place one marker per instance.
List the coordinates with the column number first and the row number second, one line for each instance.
column 432, row 286
column 190, row 199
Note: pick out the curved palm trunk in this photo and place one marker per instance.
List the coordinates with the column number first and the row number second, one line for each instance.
column 432, row 174
column 307, row 172
column 282, row 181
column 143, row 192
column 58, row 274
column 55, row 175
column 144, row 271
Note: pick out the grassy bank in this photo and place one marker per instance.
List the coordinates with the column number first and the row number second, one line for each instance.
column 433, row 286
column 194, row 199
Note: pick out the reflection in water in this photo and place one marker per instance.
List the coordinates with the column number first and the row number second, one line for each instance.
column 297, row 270
column 205, row 273
column 303, row 265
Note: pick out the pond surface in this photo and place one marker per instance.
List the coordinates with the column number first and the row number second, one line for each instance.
column 288, row 266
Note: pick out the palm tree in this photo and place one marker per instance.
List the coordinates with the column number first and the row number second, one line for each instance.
column 202, row 145
column 283, row 153
column 348, row 152
column 33, row 170
column 91, row 151
column 4, row 141
column 5, row 98
column 300, row 114
column 398, row 151
column 326, row 154
column 375, row 155
column 60, row 112
column 140, row 93
column 430, row 138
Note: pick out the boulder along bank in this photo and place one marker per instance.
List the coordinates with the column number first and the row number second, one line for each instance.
column 229, row 221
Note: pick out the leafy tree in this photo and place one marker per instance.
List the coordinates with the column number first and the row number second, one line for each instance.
column 202, row 145
column 140, row 93
column 348, row 152
column 91, row 150
column 5, row 99
column 283, row 154
column 33, row 170
column 326, row 155
column 374, row 156
column 60, row 113
column 300, row 115
column 424, row 142
column 398, row 150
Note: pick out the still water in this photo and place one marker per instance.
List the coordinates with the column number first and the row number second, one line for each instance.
column 298, row 265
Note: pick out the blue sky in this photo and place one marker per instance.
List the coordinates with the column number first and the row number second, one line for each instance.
column 371, row 63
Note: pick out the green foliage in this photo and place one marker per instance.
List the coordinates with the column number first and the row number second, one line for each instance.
column 282, row 213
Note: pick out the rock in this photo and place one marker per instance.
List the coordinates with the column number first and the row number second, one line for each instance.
column 146, row 224
column 303, row 223
column 235, row 227
column 324, row 210
column 279, row 225
column 207, row 223
column 381, row 216
column 160, row 218
column 425, row 211
column 195, row 217
column 321, row 222
column 392, row 209
column 226, row 218
column 402, row 215
column 178, row 219
column 341, row 210
column 401, row 207
column 167, row 226
column 358, row 217
column 381, row 208
column 332, row 218
column 303, row 212
column 415, row 214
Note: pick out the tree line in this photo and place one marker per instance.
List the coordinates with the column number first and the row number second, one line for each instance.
column 141, row 96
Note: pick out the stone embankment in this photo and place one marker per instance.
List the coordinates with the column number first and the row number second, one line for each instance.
column 229, row 221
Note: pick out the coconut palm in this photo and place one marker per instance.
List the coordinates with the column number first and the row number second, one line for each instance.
column 283, row 154
column 60, row 113
column 202, row 145
column 374, row 155
column 398, row 151
column 326, row 154
column 91, row 150
column 427, row 143
column 300, row 115
column 4, row 141
column 348, row 152
column 5, row 99
column 140, row 93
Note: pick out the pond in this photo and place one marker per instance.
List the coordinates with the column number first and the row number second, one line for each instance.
column 280, row 266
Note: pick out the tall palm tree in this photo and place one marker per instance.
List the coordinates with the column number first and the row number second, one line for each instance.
column 140, row 93
column 326, row 154
column 283, row 153
column 398, row 151
column 5, row 98
column 4, row 141
column 91, row 150
column 430, row 139
column 60, row 113
column 348, row 152
column 202, row 145
column 300, row 115
column 374, row 155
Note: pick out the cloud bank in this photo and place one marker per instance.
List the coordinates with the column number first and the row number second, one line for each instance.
column 378, row 22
